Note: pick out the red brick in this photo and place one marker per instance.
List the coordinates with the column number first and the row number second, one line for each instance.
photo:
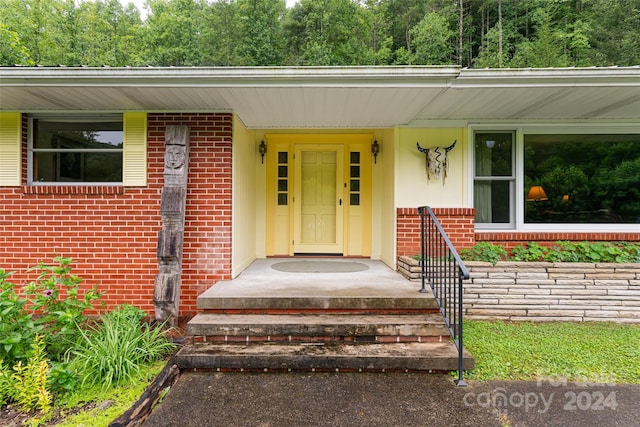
column 111, row 231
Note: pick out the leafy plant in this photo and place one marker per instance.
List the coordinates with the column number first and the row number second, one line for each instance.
column 562, row 251
column 28, row 386
column 532, row 252
column 62, row 378
column 17, row 327
column 112, row 351
column 55, row 294
column 484, row 251
column 50, row 306
column 5, row 383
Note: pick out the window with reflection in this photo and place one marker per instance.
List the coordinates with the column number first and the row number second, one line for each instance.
column 494, row 177
column 582, row 178
column 69, row 151
column 283, row 178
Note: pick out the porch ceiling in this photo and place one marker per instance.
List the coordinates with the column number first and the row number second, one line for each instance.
column 332, row 97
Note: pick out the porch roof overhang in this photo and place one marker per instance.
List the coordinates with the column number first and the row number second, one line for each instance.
column 333, row 97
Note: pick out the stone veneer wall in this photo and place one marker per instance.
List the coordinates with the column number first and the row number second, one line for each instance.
column 544, row 291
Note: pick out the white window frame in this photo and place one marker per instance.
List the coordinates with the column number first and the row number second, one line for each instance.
column 513, row 181
column 543, row 128
column 71, row 118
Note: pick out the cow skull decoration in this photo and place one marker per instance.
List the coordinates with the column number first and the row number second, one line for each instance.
column 436, row 160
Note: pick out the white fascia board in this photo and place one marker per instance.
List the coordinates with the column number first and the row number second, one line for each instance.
column 228, row 76
column 549, row 77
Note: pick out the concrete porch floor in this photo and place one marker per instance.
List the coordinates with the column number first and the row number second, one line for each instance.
column 261, row 280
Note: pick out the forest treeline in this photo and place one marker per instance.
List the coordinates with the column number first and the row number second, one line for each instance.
column 469, row 33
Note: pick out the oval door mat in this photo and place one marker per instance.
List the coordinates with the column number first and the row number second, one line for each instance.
column 320, row 266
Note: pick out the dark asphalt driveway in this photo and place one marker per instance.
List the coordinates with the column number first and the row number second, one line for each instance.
column 388, row 399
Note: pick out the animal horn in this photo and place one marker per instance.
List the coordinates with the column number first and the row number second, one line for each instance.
column 422, row 150
column 449, row 148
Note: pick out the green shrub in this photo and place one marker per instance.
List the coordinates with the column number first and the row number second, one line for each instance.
column 28, row 382
column 17, row 327
column 112, row 351
column 55, row 294
column 50, row 306
column 562, row 251
column 484, row 251
column 62, row 378
column 5, row 383
column 529, row 253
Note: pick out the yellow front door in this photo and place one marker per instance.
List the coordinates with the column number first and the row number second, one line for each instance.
column 318, row 199
column 318, row 190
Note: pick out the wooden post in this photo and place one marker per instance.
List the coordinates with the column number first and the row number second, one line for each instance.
column 166, row 293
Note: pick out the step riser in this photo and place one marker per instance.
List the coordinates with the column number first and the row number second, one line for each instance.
column 327, row 363
column 320, row 303
column 317, row 330
column 316, row 370
column 307, row 311
column 318, row 339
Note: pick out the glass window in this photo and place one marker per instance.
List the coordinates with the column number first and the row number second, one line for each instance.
column 66, row 151
column 283, row 178
column 354, row 182
column 494, row 178
column 581, row 178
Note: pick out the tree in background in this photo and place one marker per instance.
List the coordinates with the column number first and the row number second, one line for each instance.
column 470, row 33
column 220, row 37
column 261, row 38
column 432, row 39
column 328, row 32
column 172, row 37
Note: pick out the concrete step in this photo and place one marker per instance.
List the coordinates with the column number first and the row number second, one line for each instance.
column 331, row 325
column 316, row 303
column 310, row 294
column 365, row 357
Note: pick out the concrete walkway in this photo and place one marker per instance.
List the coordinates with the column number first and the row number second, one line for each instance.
column 391, row 399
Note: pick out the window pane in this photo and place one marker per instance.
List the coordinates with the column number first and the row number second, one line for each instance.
column 586, row 178
column 354, row 199
column 107, row 135
column 83, row 150
column 355, row 185
column 283, row 156
column 355, row 171
column 492, row 200
column 494, row 154
column 355, row 157
column 77, row 167
column 282, row 199
column 282, row 171
column 282, row 185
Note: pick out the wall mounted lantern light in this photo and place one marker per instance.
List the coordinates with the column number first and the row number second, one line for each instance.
column 536, row 193
column 262, row 149
column 375, row 149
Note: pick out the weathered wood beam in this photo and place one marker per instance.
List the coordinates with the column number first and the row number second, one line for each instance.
column 166, row 293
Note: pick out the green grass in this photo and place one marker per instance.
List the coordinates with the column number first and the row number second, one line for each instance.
column 587, row 352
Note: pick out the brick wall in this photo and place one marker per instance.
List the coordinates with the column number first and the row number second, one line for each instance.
column 111, row 231
column 458, row 223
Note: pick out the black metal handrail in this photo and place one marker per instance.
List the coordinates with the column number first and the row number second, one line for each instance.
column 443, row 269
